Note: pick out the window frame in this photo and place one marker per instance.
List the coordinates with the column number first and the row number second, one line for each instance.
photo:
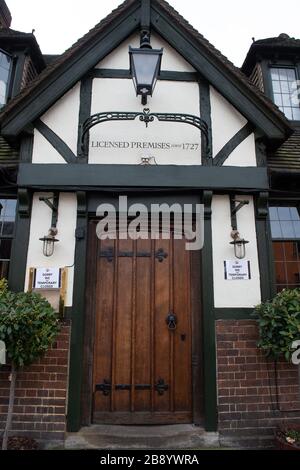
column 12, row 236
column 281, row 64
column 282, row 203
column 9, row 78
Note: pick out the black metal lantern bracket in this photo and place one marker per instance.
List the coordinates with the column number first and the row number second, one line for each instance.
column 53, row 206
column 238, row 243
column 235, row 206
column 147, row 117
column 49, row 240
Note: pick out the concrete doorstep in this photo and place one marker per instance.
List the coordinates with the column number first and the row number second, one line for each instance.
column 174, row 437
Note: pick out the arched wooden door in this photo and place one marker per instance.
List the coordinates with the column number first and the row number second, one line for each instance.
column 142, row 354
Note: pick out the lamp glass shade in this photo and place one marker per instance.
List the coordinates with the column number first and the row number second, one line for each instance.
column 48, row 245
column 239, row 247
column 145, row 67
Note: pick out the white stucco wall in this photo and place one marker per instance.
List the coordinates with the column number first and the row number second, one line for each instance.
column 119, row 95
column 244, row 155
column 228, row 293
column 226, row 122
column 62, row 118
column 64, row 250
column 171, row 60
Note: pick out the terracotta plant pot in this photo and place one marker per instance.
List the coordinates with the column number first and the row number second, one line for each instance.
column 280, row 437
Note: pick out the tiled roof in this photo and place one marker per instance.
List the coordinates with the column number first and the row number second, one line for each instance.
column 287, row 157
column 7, row 153
column 283, row 40
column 283, row 45
column 5, row 14
column 180, row 21
column 9, row 37
column 63, row 58
column 49, row 58
column 13, row 33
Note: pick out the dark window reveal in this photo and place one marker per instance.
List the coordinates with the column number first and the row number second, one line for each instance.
column 285, row 228
column 5, row 66
column 7, row 223
column 285, row 91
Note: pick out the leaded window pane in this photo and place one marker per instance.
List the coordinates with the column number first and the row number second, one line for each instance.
column 284, row 83
column 5, row 66
column 7, row 225
column 285, row 227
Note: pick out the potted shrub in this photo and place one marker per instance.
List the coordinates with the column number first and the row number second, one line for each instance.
column 279, row 328
column 288, row 437
column 28, row 327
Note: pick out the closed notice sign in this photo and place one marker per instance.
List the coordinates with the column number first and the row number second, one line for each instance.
column 237, row 270
column 47, row 278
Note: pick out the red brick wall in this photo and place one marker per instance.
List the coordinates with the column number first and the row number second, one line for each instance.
column 41, row 393
column 247, row 390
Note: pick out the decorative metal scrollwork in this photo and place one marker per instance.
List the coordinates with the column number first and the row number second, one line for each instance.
column 147, row 117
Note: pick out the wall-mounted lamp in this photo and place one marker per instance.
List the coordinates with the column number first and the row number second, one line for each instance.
column 145, row 64
column 48, row 241
column 239, row 245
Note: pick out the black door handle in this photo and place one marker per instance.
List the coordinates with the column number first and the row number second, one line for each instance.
column 171, row 321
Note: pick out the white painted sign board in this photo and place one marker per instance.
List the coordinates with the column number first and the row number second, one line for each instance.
column 2, row 353
column 47, row 278
column 237, row 270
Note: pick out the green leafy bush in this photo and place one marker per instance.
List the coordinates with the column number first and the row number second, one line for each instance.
column 28, row 325
column 279, row 324
column 3, row 285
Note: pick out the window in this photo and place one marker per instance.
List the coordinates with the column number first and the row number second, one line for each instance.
column 285, row 229
column 284, row 83
column 5, row 65
column 7, row 224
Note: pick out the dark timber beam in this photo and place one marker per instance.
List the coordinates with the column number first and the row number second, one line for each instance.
column 209, row 333
column 145, row 14
column 232, row 144
column 265, row 248
column 43, row 176
column 60, row 146
column 205, row 113
column 76, row 347
column 17, row 269
column 169, row 75
column 84, row 112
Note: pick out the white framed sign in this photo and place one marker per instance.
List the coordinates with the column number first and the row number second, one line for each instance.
column 47, row 278
column 237, row 270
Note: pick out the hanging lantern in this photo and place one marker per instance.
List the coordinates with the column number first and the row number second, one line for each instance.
column 145, row 65
column 239, row 245
column 48, row 242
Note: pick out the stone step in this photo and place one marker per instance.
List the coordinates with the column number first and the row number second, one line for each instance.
column 183, row 436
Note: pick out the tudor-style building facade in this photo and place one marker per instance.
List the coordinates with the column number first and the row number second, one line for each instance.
column 83, row 142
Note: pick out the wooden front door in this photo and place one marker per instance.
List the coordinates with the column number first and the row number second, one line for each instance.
column 142, row 363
